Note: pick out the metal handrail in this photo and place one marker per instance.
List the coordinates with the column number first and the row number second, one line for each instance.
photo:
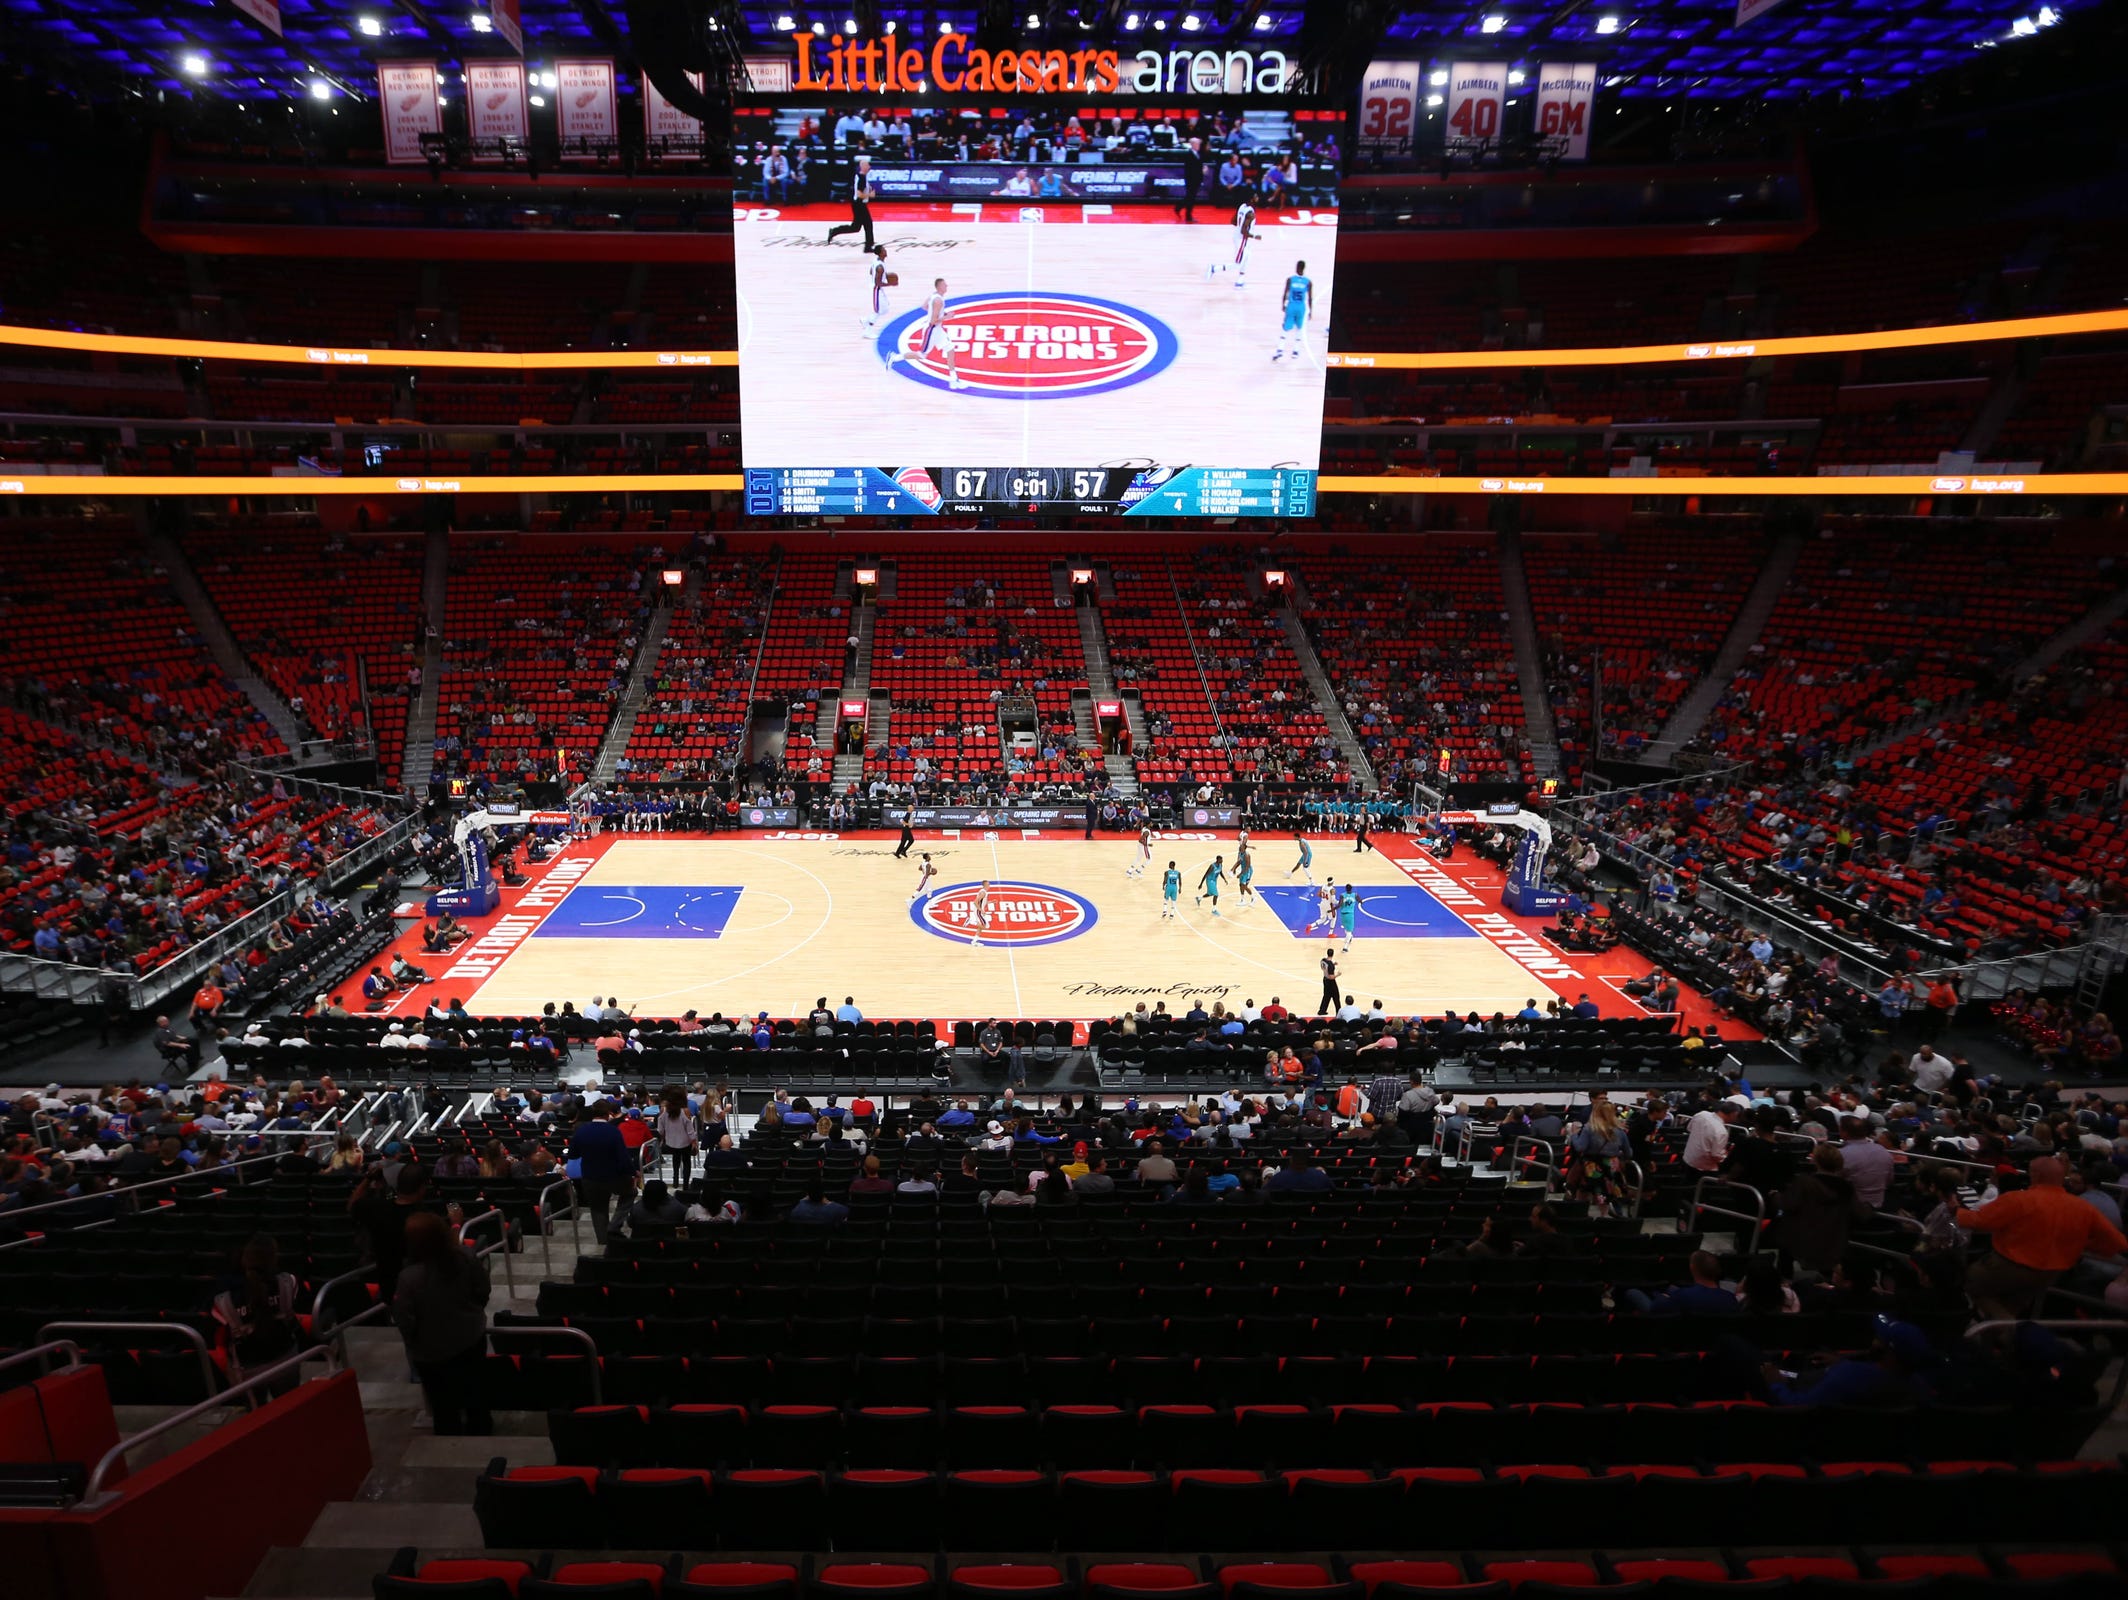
column 130, row 1189
column 37, row 1353
column 191, row 1336
column 573, row 1335
column 1472, row 1131
column 317, row 1304
column 2067, row 1325
column 572, row 1211
column 509, row 1274
column 1517, row 1159
column 220, row 1402
column 1700, row 1208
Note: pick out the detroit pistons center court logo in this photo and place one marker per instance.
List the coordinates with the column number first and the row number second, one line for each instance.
column 1021, row 914
column 1038, row 346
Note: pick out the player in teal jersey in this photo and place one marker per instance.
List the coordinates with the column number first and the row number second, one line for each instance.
column 1299, row 300
column 1170, row 891
column 1209, row 884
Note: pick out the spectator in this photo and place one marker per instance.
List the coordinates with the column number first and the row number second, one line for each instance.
column 2038, row 1234
column 1816, row 1210
column 440, row 1307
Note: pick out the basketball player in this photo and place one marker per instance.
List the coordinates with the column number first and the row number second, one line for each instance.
column 981, row 917
column 1145, row 853
column 1305, row 866
column 1325, row 905
column 926, row 870
column 1170, row 891
column 933, row 337
column 1348, row 913
column 1236, row 260
column 1245, row 875
column 1300, row 306
column 860, row 205
column 1214, row 876
column 877, row 284
column 1327, row 1004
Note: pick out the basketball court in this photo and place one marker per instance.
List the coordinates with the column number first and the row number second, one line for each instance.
column 772, row 922
column 1174, row 370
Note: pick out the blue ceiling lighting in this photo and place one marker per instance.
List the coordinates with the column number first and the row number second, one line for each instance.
column 1799, row 47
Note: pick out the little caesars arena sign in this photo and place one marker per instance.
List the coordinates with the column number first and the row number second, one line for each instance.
column 877, row 66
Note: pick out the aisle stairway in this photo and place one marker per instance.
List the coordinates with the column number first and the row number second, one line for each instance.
column 1325, row 692
column 641, row 675
column 1101, row 685
column 856, row 685
column 421, row 716
column 221, row 644
column 1537, row 724
column 1692, row 711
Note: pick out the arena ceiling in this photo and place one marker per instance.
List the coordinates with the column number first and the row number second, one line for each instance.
column 1670, row 49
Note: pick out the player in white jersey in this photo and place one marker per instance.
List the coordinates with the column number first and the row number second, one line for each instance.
column 926, row 870
column 931, row 339
column 1236, row 258
column 1325, row 906
column 878, row 280
column 1145, row 854
column 981, row 914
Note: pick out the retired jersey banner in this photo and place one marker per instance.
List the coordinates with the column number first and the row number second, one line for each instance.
column 495, row 107
column 1477, row 95
column 266, row 13
column 1389, row 107
column 584, row 109
column 508, row 22
column 406, row 90
column 1566, row 105
column 667, row 123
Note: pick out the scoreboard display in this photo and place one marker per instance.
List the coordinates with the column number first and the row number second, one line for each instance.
column 1053, row 313
column 1134, row 490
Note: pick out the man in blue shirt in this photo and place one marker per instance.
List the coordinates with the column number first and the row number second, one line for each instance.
column 1299, row 1176
column 816, row 1207
column 959, row 1117
column 847, row 1011
column 604, row 1165
column 1585, row 1007
column 1704, row 1296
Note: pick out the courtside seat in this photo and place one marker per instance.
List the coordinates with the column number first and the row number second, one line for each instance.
column 600, row 1580
column 884, row 1508
column 522, row 1507
column 872, row 1580
column 602, row 1436
column 644, row 1507
column 410, row 1578
column 1147, row 1580
column 736, row 1580
column 1284, row 1580
column 1009, row 1580
column 1391, row 1578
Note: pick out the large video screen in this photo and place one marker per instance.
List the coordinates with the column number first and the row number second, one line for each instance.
column 1037, row 317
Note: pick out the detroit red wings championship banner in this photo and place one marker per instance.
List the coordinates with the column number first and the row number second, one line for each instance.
column 584, row 110
column 1566, row 105
column 406, row 92
column 495, row 107
column 666, row 123
column 1477, row 96
column 1389, row 107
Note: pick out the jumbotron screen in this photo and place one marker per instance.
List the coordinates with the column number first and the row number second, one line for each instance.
column 1037, row 319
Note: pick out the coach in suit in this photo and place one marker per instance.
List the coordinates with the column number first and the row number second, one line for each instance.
column 860, row 205
column 1192, row 179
